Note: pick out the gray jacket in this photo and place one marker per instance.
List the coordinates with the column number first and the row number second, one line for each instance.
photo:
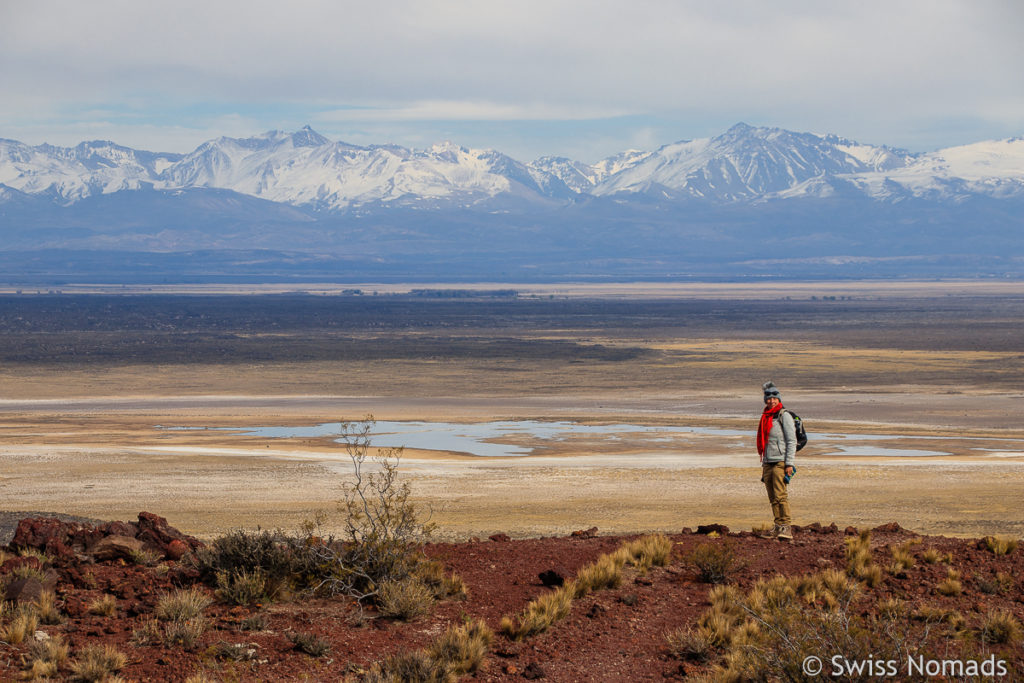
column 781, row 440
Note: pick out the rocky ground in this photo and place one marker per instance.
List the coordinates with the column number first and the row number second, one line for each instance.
column 615, row 634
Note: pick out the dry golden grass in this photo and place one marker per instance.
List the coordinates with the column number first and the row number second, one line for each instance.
column 96, row 663
column 405, row 599
column 19, row 627
column 541, row 614
column 104, row 606
column 185, row 632
column 185, row 603
column 951, row 584
column 1001, row 545
column 1000, row 626
column 46, row 608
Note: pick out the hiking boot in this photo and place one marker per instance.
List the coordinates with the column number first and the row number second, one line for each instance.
column 770, row 533
column 785, row 533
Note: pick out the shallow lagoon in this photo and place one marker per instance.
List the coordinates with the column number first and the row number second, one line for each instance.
column 509, row 438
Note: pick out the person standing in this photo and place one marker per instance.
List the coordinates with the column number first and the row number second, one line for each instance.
column 776, row 444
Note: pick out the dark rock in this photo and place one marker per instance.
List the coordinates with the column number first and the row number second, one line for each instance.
column 643, row 581
column 23, row 590
column 533, row 671
column 629, row 599
column 585, row 533
column 119, row 529
column 891, row 528
column 851, row 531
column 831, row 529
column 720, row 529
column 176, row 550
column 16, row 562
column 500, row 538
column 686, row 531
column 552, row 577
column 116, row 548
column 596, row 610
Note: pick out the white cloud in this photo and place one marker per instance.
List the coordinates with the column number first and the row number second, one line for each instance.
column 870, row 69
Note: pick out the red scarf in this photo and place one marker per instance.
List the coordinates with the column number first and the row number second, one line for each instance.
column 767, row 418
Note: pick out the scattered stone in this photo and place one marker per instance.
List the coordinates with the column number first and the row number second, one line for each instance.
column 686, row 531
column 719, row 529
column 851, row 531
column 533, row 671
column 116, row 548
column 500, row 538
column 891, row 528
column 176, row 550
column 643, row 581
column 552, row 578
column 596, row 610
column 585, row 533
column 23, row 590
column 629, row 599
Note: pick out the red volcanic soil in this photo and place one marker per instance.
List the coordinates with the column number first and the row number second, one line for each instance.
column 610, row 635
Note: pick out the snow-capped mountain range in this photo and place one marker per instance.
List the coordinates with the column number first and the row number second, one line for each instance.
column 305, row 169
column 762, row 202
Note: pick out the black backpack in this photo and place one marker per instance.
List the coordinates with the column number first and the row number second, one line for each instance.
column 801, row 434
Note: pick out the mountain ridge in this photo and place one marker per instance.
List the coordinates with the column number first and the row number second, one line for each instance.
column 304, row 168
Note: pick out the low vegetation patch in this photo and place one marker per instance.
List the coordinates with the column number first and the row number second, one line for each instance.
column 1000, row 545
column 715, row 562
column 182, row 604
column 310, row 643
column 97, row 663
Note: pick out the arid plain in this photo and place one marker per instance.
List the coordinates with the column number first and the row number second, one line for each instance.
column 112, row 403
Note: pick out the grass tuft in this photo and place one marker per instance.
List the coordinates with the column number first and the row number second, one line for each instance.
column 1001, row 627
column 1000, row 545
column 185, row 603
column 406, row 599
column 97, row 663
column 104, row 606
column 715, row 562
column 310, row 643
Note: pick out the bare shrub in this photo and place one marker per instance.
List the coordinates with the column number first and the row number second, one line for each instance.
column 383, row 532
column 273, row 555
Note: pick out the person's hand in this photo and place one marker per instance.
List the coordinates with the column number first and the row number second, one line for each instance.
column 790, row 470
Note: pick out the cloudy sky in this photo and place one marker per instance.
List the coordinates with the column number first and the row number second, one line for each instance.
column 577, row 78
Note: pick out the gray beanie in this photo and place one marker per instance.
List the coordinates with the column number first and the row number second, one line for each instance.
column 771, row 391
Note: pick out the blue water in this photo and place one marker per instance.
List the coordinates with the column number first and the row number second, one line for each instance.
column 499, row 438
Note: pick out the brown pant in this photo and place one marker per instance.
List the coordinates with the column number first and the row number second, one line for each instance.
column 772, row 474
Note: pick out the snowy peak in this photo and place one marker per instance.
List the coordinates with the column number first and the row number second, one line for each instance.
column 303, row 168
